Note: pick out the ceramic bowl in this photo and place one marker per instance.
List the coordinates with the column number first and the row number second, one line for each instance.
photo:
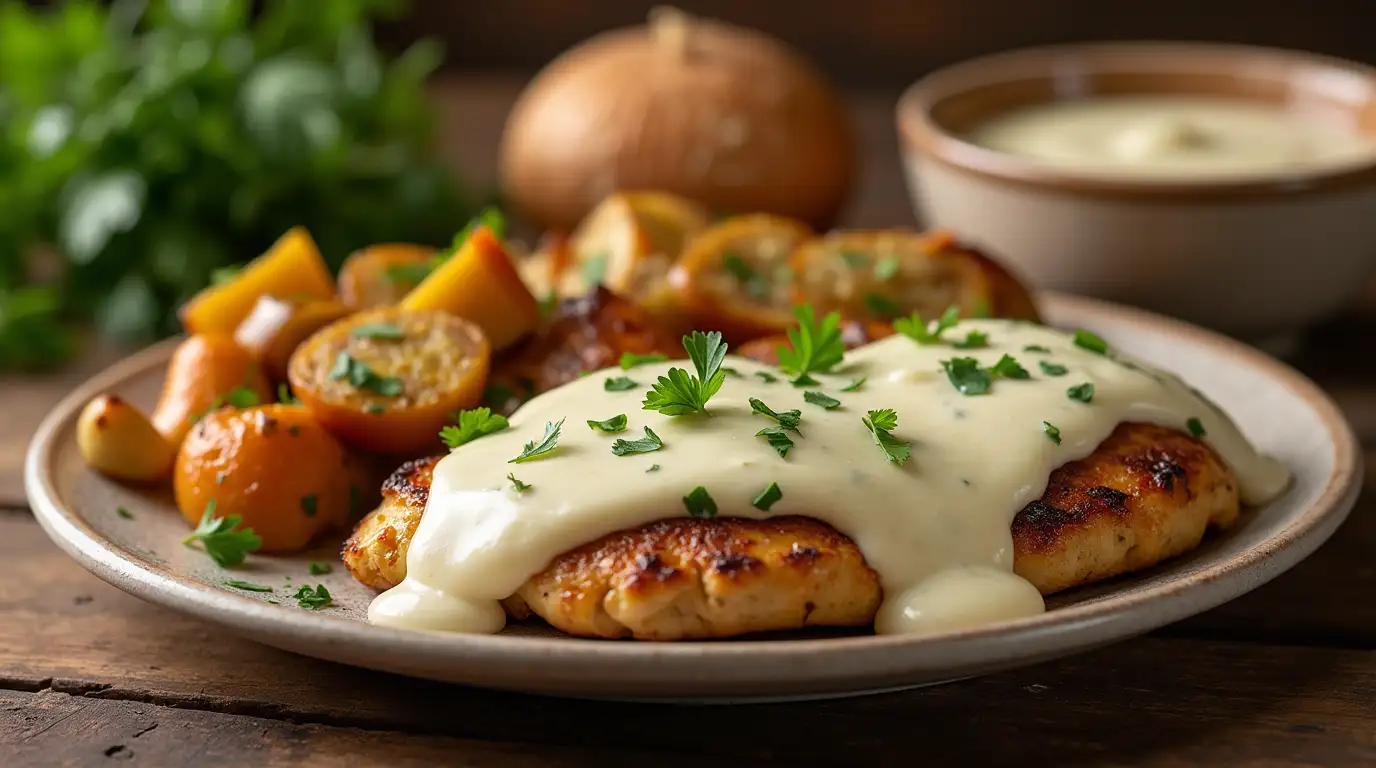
column 1255, row 258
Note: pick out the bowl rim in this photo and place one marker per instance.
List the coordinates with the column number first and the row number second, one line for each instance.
column 920, row 134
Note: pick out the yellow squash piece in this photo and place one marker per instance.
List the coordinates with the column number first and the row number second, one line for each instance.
column 292, row 268
column 480, row 284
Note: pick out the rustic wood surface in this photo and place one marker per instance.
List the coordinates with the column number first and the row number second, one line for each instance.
column 1283, row 676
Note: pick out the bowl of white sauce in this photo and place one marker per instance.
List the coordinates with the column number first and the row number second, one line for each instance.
column 1231, row 186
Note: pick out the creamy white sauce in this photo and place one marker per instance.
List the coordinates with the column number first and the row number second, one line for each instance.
column 935, row 529
column 1173, row 137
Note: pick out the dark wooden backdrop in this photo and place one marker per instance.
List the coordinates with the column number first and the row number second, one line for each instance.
column 889, row 42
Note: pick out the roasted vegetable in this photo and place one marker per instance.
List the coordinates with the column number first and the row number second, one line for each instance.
column 480, row 284
column 291, row 269
column 387, row 380
column 275, row 328
column 381, row 275
column 207, row 371
column 274, row 465
column 117, row 440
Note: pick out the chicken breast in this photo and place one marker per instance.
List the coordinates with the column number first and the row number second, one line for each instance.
column 1146, row 494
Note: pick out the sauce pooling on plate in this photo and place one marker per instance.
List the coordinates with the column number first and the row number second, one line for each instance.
column 934, row 526
column 1173, row 137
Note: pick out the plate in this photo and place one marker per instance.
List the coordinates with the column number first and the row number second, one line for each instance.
column 1283, row 413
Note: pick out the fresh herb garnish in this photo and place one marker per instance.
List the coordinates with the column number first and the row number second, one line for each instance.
column 647, row 444
column 732, row 372
column 386, row 331
column 630, row 360
column 226, row 546
column 1052, row 432
column 700, row 503
column 517, row 484
column 595, row 270
column 1081, row 392
column 472, row 424
column 548, row 305
column 616, row 423
column 854, row 386
column 1052, row 369
column 357, row 373
column 786, row 419
column 314, row 599
column 247, row 586
column 886, row 268
column 767, row 377
column 375, row 409
column 1196, row 427
column 241, row 397
column 966, row 376
column 534, row 450
column 679, row 393
column 854, row 258
column 653, row 468
column 814, row 347
column 919, row 330
column 821, row 399
column 497, row 396
column 309, row 504
column 1009, row 368
column 124, row 513
column 408, row 274
column 318, row 568
column 778, row 439
column 222, row 275
column 804, row 380
column 619, row 384
column 1087, row 340
column 882, row 306
column 284, row 395
column 1036, row 348
column 768, row 497
column 755, row 285
column 973, row 340
column 881, row 424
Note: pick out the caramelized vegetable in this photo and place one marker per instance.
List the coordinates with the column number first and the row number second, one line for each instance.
column 388, row 380
column 207, row 371
column 381, row 275
column 292, row 268
column 735, row 277
column 274, row 465
column 117, row 440
column 479, row 283
column 542, row 270
column 275, row 328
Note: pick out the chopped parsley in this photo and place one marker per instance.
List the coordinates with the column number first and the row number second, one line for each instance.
column 1053, row 433
column 386, row 331
column 768, row 497
column 517, row 484
column 497, row 395
column 814, row 347
column 886, row 268
column 882, row 306
column 766, row 377
column 647, row 444
column 778, row 440
column 922, row 332
column 595, row 269
column 966, row 376
column 1008, row 368
column 357, row 373
column 678, row 393
column 630, row 360
column 973, row 340
column 375, row 409
column 804, row 380
column 786, row 419
column 822, row 399
column 755, row 285
column 854, row 258
column 1196, row 427
column 1052, row 369
column 729, row 371
column 881, row 424
column 549, row 305
column 699, row 503
column 124, row 513
column 534, row 450
column 619, row 384
column 653, row 468
column 284, row 395
column 1087, row 340
column 248, row 586
column 309, row 504
column 1036, row 348
column 472, row 424
column 1081, row 392
column 313, row 599
column 226, row 546
column 854, row 386
column 318, row 568
column 616, row 423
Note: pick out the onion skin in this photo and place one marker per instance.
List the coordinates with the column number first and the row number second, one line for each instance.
column 724, row 116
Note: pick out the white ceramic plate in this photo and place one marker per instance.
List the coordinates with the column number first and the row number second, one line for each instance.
column 1280, row 411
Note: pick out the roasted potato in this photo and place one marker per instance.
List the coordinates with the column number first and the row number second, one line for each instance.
column 274, row 465
column 387, row 380
column 206, row 371
column 275, row 328
column 292, row 269
column 117, row 440
column 381, row 275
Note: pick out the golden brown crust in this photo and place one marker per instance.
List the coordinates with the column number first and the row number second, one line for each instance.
column 376, row 553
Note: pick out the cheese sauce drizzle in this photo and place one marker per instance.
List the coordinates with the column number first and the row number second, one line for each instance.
column 935, row 529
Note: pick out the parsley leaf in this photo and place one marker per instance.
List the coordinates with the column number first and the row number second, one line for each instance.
column 881, row 424
column 533, row 450
column 653, row 468
column 1036, row 348
column 1008, row 368
column 619, row 384
column 778, row 440
column 786, row 419
column 699, row 503
column 1196, row 427
column 973, row 340
column 472, row 425
column 595, row 269
column 755, row 285
column 767, row 377
column 1052, row 369
column 309, row 504
column 647, row 444
column 226, row 546
column 1053, row 433
column 284, row 395
column 497, row 395
column 768, row 497
column 319, row 569
column 732, row 372
column 241, row 397
column 966, row 376
column 630, row 360
column 124, row 513
column 922, row 332
column 314, row 599
column 886, row 268
column 814, row 347
column 386, row 331
column 357, row 373
column 616, row 423
column 822, row 399
column 854, row 386
column 248, row 586
column 1081, row 392
column 1087, row 340
column 678, row 393
column 517, row 484
column 882, row 306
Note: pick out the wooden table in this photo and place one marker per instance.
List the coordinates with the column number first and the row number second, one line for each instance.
column 1284, row 676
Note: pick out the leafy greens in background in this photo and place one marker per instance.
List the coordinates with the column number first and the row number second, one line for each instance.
column 146, row 144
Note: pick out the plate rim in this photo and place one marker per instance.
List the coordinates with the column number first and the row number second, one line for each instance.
column 570, row 661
